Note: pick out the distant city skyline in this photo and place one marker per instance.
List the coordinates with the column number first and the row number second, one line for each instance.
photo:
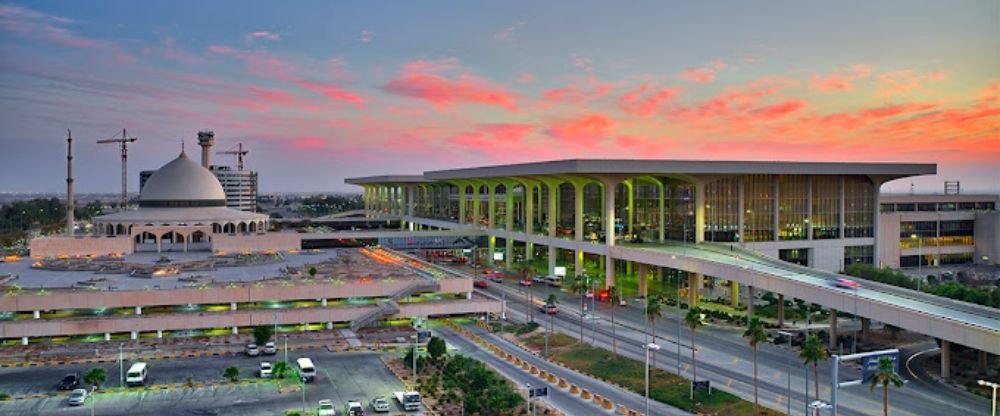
column 320, row 91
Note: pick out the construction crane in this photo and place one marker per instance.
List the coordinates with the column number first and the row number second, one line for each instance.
column 239, row 155
column 123, row 140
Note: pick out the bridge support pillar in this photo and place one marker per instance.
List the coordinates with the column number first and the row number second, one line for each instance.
column 552, row 260
column 492, row 247
column 643, row 284
column 628, row 268
column 529, row 251
column 695, row 282
column 983, row 358
column 134, row 335
column 323, row 302
column 609, row 271
column 945, row 359
column 578, row 267
column 508, row 253
column 138, row 310
column 865, row 326
column 24, row 340
column 159, row 333
column 329, row 326
column 734, row 293
column 781, row 310
column 751, row 294
column 232, row 306
column 833, row 329
column 38, row 314
column 236, row 331
column 107, row 336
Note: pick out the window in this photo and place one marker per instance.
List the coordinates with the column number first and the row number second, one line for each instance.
column 793, row 207
column 859, row 195
column 825, row 220
column 798, row 256
column 887, row 208
column 722, row 210
column 906, row 207
column 858, row 254
column 758, row 215
column 927, row 207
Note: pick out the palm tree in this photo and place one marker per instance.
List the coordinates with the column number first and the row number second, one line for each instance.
column 693, row 322
column 756, row 334
column 96, row 376
column 654, row 309
column 814, row 352
column 580, row 287
column 614, row 297
column 884, row 376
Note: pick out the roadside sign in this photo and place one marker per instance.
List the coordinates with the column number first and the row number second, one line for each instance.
column 538, row 392
column 703, row 386
column 870, row 364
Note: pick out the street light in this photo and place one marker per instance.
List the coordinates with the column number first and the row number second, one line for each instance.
column 121, row 365
column 994, row 386
column 650, row 349
column 789, row 404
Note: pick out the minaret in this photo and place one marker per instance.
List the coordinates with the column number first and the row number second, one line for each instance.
column 69, row 183
column 206, row 139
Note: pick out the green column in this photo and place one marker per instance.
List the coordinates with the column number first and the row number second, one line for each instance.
column 578, row 225
column 508, row 254
column 553, row 196
column 529, row 223
column 661, row 193
column 734, row 293
column 476, row 202
column 461, row 203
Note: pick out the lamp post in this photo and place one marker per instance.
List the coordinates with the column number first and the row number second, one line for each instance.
column 286, row 350
column 994, row 386
column 789, row 404
column 650, row 348
column 531, row 398
column 121, row 365
column 920, row 258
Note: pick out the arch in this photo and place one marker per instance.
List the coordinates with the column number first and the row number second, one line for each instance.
column 145, row 237
column 262, row 227
column 216, row 228
column 198, row 237
column 168, row 237
column 179, row 238
column 120, row 229
column 229, row 228
column 242, row 227
column 109, row 229
column 253, row 227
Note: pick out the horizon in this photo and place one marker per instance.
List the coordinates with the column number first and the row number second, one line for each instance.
column 324, row 91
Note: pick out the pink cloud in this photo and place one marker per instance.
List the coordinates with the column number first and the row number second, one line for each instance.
column 842, row 80
column 48, row 28
column 421, row 79
column 779, row 110
column 643, row 147
column 704, row 74
column 306, row 143
column 282, row 98
column 261, row 34
column 526, row 78
column 332, row 92
column 586, row 131
column 637, row 101
column 591, row 89
column 904, row 81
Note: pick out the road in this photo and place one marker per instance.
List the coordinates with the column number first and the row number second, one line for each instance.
column 560, row 399
column 342, row 376
column 724, row 357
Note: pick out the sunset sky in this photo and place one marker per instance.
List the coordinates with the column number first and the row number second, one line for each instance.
column 323, row 90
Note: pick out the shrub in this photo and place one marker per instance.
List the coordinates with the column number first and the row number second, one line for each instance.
column 262, row 334
column 232, row 374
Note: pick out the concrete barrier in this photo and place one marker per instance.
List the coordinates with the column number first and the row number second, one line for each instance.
column 622, row 410
column 574, row 390
column 552, row 378
column 534, row 370
column 544, row 375
column 597, row 399
column 607, row 405
column 562, row 383
column 585, row 394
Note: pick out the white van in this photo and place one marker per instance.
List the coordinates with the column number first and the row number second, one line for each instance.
column 554, row 281
column 306, row 369
column 136, row 375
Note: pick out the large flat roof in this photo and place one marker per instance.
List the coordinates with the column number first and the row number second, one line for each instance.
column 364, row 180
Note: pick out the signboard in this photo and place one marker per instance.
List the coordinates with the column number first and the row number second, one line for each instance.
column 498, row 256
column 870, row 364
column 705, row 386
column 538, row 392
column 560, row 271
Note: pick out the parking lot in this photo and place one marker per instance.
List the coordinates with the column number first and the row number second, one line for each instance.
column 341, row 376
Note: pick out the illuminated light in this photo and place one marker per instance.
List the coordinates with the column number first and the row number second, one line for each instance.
column 11, row 258
column 62, row 257
column 292, row 251
column 37, row 264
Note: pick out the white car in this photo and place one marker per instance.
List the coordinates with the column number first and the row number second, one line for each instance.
column 538, row 279
column 270, row 349
column 326, row 408
column 265, row 370
column 77, row 397
column 380, row 404
column 252, row 350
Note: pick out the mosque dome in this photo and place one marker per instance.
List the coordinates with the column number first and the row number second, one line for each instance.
column 182, row 183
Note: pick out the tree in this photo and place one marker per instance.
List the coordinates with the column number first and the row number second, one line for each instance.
column 755, row 334
column 814, row 352
column 312, row 272
column 614, row 296
column 693, row 322
column 281, row 370
column 232, row 373
column 437, row 348
column 654, row 309
column 580, row 287
column 884, row 376
column 262, row 334
column 96, row 376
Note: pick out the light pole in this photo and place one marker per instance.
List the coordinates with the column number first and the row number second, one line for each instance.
column 994, row 386
column 789, row 336
column 650, row 348
column 531, row 398
column 286, row 351
column 121, row 365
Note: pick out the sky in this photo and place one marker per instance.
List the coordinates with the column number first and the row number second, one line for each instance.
column 320, row 90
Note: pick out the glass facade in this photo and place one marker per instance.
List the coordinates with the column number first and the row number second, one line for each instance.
column 825, row 221
column 793, row 207
column 722, row 210
column 859, row 200
column 758, row 214
column 859, row 254
column 798, row 256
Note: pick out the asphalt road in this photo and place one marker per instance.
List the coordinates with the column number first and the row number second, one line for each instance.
column 725, row 358
column 341, row 376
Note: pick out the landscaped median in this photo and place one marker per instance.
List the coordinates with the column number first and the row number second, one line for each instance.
column 630, row 374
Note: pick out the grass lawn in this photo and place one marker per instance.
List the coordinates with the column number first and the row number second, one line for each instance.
column 664, row 387
column 537, row 341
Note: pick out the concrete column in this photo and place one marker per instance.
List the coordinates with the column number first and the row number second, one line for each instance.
column 529, row 220
column 236, row 331
column 159, row 244
column 699, row 213
column 609, row 232
column 134, row 335
column 578, row 225
column 491, row 206
column 468, row 295
column 751, row 295
column 840, row 188
column 643, row 274
column 865, row 326
column 232, row 306
column 781, row 310
column 107, row 336
column 734, row 293
column 461, row 204
column 945, row 359
column 410, row 200
column 508, row 255
column 329, row 326
column 833, row 329
column 323, row 302
column 876, row 208
column 38, row 314
column 982, row 358
column 24, row 340
column 553, row 197
column 159, row 333
column 630, row 186
column 477, row 212
column 138, row 310
column 695, row 282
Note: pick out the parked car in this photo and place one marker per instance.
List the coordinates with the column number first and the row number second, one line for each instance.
column 354, row 408
column 270, row 349
column 252, row 350
column 487, row 271
column 538, row 278
column 553, row 281
column 550, row 309
column 481, row 283
column 459, row 260
column 265, row 370
column 70, row 382
column 496, row 277
column 525, row 282
column 326, row 408
column 77, row 397
column 380, row 404
column 846, row 283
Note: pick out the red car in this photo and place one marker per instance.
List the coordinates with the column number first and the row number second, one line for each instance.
column 481, row 283
column 459, row 260
column 550, row 309
column 524, row 282
column 846, row 283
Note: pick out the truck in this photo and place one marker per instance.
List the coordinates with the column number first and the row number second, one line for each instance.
column 409, row 400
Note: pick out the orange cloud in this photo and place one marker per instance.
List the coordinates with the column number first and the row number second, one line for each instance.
column 585, row 131
column 704, row 74
column 591, row 89
column 637, row 102
column 421, row 79
column 842, row 80
column 904, row 81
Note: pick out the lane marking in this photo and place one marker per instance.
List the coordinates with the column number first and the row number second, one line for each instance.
column 909, row 370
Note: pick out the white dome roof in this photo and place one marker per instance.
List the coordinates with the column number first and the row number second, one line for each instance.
column 182, row 183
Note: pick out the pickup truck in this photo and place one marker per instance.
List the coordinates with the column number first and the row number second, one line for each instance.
column 409, row 400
